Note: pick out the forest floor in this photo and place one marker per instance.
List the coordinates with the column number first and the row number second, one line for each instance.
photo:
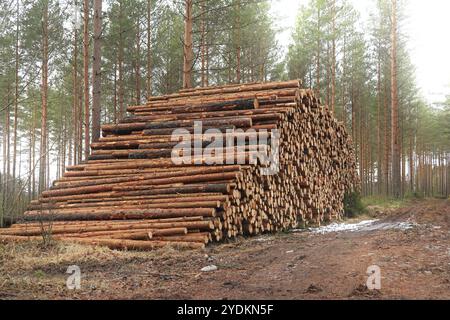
column 410, row 244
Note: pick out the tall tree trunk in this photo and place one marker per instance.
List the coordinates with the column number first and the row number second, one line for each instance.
column 80, row 122
column 19, row 207
column 447, row 187
column 96, row 71
column 354, row 137
column 238, row 40
column 188, row 46
column 138, row 61
column 411, row 163
column 64, row 143
column 419, row 168
column 75, row 111
column 203, row 42
column 44, row 87
column 333, row 58
column 149, row 48
column 207, row 55
column 59, row 145
column 439, row 173
column 33, row 150
column 229, row 69
column 262, row 73
column 327, row 77
column 430, row 173
column 369, row 162
column 30, row 161
column 16, row 96
column 115, row 92
column 344, row 59
column 396, row 175
column 318, row 53
column 86, row 77
column 121, row 54
column 380, row 168
column 387, row 143
column 7, row 143
column 403, row 167
column 361, row 143
column 444, row 174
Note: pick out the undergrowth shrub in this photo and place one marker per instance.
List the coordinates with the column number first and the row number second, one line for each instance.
column 353, row 205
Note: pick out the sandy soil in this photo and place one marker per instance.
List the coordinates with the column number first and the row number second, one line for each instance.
column 414, row 263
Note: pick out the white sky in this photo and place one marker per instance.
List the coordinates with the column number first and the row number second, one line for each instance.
column 427, row 26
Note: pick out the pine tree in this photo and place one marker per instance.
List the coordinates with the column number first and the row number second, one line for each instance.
column 188, row 45
column 396, row 178
column 96, row 71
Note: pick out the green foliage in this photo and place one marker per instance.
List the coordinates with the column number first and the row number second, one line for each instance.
column 353, row 205
column 383, row 202
column 444, row 120
column 39, row 274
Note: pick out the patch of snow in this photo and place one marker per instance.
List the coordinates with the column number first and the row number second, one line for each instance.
column 391, row 226
column 341, row 227
column 368, row 225
column 209, row 268
column 263, row 239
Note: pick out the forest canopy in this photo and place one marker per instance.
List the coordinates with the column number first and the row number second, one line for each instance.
column 46, row 49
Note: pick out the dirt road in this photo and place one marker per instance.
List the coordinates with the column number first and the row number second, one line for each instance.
column 411, row 246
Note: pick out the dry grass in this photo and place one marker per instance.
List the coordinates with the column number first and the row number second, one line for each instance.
column 29, row 270
column 34, row 255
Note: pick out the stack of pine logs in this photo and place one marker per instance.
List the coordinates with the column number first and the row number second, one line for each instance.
column 129, row 194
